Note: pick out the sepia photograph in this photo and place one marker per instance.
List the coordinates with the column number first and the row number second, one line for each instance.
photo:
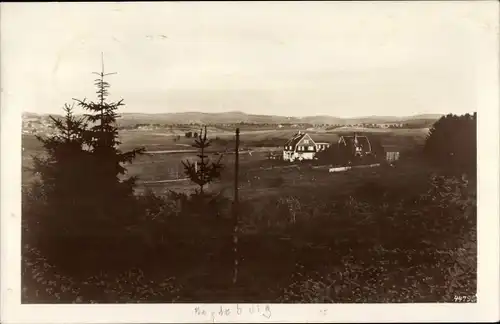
column 248, row 158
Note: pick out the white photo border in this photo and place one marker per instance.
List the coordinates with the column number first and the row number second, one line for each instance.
column 486, row 308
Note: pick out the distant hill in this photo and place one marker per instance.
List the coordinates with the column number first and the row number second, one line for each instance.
column 201, row 118
column 233, row 117
column 238, row 117
column 35, row 116
column 427, row 122
column 393, row 119
column 428, row 116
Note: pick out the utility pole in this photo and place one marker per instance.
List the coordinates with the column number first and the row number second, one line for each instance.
column 236, row 207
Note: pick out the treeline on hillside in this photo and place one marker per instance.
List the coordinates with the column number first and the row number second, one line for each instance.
column 451, row 142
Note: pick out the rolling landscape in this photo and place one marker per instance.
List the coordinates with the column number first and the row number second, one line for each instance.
column 260, row 135
column 237, row 117
column 278, row 198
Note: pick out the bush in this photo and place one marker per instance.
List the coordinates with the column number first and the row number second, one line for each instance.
column 42, row 283
column 451, row 196
column 152, row 205
column 427, row 247
column 210, row 205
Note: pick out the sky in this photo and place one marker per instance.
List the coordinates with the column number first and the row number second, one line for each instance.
column 282, row 58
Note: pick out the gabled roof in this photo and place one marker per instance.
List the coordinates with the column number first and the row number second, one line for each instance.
column 295, row 139
column 362, row 141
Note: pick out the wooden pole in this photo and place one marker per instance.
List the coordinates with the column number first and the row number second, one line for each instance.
column 235, row 207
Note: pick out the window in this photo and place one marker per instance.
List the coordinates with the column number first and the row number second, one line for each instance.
column 311, row 148
column 306, row 141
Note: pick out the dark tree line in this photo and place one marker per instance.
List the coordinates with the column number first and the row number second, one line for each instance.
column 451, row 142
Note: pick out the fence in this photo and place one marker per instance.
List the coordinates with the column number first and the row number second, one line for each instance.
column 340, row 169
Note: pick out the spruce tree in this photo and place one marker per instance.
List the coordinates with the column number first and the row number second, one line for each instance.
column 203, row 171
column 62, row 173
column 112, row 195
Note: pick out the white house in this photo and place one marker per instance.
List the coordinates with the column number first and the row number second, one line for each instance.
column 302, row 147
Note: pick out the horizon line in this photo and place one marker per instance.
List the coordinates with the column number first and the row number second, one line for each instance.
column 270, row 115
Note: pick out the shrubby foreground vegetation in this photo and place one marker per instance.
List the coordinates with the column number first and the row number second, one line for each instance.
column 398, row 234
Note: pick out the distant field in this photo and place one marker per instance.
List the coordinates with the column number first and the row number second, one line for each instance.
column 157, row 140
column 156, row 167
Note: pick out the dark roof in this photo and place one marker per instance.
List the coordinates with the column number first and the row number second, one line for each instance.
column 362, row 141
column 295, row 139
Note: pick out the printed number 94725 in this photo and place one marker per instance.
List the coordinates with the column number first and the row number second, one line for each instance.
column 465, row 299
